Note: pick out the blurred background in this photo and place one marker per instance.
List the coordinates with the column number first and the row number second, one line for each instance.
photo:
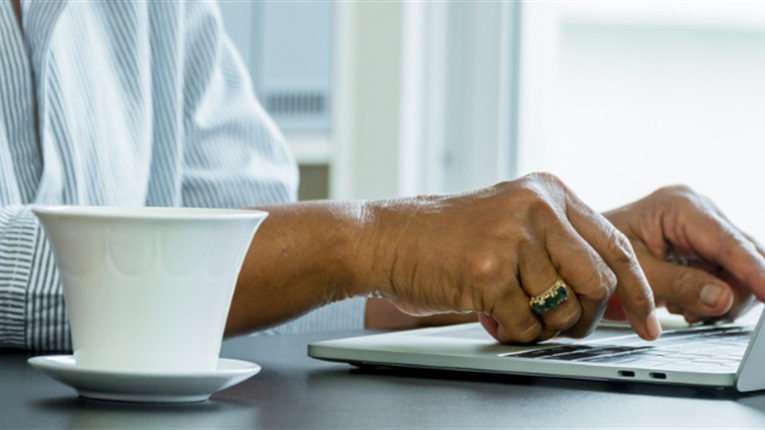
column 386, row 99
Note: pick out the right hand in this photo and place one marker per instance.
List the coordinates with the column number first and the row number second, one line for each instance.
column 489, row 251
column 699, row 264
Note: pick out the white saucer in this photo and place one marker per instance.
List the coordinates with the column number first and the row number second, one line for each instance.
column 144, row 387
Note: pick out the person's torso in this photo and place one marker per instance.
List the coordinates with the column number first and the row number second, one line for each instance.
column 105, row 79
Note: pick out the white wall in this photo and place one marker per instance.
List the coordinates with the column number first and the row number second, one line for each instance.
column 426, row 99
column 645, row 99
column 365, row 142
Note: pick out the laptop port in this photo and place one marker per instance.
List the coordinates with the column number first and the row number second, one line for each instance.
column 627, row 373
column 658, row 375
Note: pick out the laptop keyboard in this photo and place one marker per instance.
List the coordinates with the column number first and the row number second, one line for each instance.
column 712, row 348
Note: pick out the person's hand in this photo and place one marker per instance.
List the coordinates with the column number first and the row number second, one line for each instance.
column 697, row 262
column 491, row 250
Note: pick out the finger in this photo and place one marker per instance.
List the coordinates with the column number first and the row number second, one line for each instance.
column 689, row 317
column 675, row 309
column 537, row 276
column 755, row 242
column 760, row 248
column 632, row 286
column 743, row 299
column 516, row 321
column 692, row 318
column 716, row 240
column 489, row 324
column 586, row 273
column 692, row 289
column 492, row 327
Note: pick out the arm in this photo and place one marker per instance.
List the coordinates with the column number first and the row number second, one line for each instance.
column 303, row 256
column 300, row 267
column 484, row 252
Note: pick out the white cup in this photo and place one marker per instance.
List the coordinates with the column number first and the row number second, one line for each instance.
column 148, row 289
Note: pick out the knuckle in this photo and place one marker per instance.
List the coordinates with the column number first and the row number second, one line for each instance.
column 731, row 241
column 502, row 187
column 683, row 197
column 524, row 239
column 536, row 197
column 608, row 279
column 620, row 249
column 545, row 178
column 677, row 190
column 541, row 210
column 601, row 292
column 539, row 180
column 601, row 281
column 483, row 267
column 535, row 205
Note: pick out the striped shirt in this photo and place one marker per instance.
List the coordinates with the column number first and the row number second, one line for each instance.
column 124, row 104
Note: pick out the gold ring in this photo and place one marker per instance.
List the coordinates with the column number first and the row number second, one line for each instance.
column 550, row 299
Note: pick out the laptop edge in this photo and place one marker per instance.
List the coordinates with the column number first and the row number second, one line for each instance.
column 424, row 348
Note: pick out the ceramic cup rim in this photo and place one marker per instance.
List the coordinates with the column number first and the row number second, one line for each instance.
column 149, row 213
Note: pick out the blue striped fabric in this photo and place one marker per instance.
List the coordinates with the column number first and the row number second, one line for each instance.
column 137, row 103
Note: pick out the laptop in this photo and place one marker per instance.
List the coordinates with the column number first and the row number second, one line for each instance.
column 721, row 356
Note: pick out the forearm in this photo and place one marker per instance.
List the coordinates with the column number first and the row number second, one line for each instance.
column 304, row 256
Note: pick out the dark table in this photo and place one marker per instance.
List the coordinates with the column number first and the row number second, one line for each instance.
column 294, row 391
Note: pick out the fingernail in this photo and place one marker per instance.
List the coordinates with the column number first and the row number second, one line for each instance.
column 710, row 294
column 653, row 326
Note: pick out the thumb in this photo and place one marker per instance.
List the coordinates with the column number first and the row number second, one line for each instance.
column 692, row 289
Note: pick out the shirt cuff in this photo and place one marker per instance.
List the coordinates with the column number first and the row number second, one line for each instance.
column 346, row 315
column 18, row 237
column 32, row 312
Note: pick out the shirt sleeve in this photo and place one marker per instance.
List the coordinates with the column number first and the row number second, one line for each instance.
column 32, row 314
column 235, row 155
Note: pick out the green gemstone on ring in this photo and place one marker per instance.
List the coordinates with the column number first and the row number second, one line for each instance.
column 539, row 309
column 560, row 296
column 550, row 300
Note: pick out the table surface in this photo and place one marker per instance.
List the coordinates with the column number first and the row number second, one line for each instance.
column 294, row 391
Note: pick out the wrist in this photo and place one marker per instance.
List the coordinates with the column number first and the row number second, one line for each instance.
column 383, row 239
column 343, row 254
column 368, row 245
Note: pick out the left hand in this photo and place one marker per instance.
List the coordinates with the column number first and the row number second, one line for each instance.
column 697, row 262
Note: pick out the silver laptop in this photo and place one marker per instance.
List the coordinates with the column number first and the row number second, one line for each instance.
column 719, row 356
